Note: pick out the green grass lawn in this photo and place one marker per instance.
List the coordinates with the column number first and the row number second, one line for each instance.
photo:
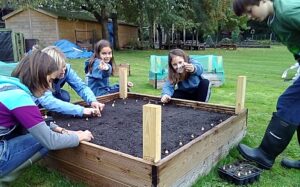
column 263, row 68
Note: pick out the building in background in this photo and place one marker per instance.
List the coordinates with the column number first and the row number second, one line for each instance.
column 47, row 26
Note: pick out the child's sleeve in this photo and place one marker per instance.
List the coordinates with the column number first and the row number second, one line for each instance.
column 292, row 17
column 167, row 89
column 198, row 68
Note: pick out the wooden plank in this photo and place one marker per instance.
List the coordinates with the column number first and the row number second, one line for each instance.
column 152, row 132
column 118, row 166
column 196, row 158
column 240, row 94
column 81, row 175
column 188, row 103
column 123, row 82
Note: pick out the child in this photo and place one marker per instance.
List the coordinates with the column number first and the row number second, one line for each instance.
column 32, row 76
column 185, row 74
column 59, row 99
column 99, row 68
column 283, row 18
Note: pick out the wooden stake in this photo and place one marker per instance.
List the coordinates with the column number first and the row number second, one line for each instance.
column 152, row 132
column 123, row 82
column 240, row 94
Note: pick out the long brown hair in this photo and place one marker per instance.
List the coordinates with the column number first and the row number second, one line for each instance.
column 33, row 69
column 98, row 47
column 173, row 76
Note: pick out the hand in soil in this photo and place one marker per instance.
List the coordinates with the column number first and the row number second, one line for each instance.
column 84, row 135
column 165, row 98
column 97, row 105
column 91, row 112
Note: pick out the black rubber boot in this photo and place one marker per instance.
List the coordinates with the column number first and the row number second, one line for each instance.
column 276, row 138
column 288, row 163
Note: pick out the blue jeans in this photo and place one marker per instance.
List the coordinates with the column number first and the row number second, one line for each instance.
column 288, row 104
column 62, row 95
column 17, row 150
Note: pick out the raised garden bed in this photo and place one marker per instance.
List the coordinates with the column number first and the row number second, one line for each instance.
column 206, row 134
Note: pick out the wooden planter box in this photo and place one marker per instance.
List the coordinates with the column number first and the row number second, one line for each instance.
column 100, row 166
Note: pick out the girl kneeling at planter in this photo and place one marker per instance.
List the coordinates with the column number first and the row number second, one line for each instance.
column 99, row 68
column 24, row 135
column 185, row 79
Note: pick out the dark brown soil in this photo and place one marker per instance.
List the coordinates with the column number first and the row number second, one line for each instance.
column 120, row 127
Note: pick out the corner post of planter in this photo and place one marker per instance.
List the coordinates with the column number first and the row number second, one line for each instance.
column 123, row 82
column 152, row 132
column 240, row 94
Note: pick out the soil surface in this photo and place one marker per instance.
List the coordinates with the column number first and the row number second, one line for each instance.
column 120, row 126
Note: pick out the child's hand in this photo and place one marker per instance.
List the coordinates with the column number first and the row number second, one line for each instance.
column 84, row 135
column 189, row 67
column 91, row 112
column 103, row 66
column 97, row 105
column 165, row 98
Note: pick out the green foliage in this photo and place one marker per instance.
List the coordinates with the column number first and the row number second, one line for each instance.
column 263, row 68
column 235, row 35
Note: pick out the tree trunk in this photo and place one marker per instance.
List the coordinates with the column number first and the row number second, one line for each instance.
column 151, row 36
column 159, row 36
column 141, row 35
column 114, row 17
column 104, row 21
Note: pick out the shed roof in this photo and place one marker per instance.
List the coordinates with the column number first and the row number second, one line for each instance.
column 72, row 15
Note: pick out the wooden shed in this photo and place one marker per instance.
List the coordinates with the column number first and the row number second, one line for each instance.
column 49, row 26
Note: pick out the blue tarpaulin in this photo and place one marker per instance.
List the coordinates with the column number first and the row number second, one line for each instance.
column 71, row 50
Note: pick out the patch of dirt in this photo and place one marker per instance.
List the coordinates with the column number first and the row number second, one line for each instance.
column 120, row 127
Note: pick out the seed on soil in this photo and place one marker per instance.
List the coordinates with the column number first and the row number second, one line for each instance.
column 69, row 125
column 249, row 172
column 192, row 136
column 212, row 124
column 180, row 143
column 239, row 174
column 166, row 152
column 113, row 105
column 220, row 120
column 86, row 119
column 124, row 102
column 202, row 128
column 136, row 101
column 46, row 116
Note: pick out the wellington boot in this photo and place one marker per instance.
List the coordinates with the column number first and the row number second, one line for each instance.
column 288, row 163
column 276, row 138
